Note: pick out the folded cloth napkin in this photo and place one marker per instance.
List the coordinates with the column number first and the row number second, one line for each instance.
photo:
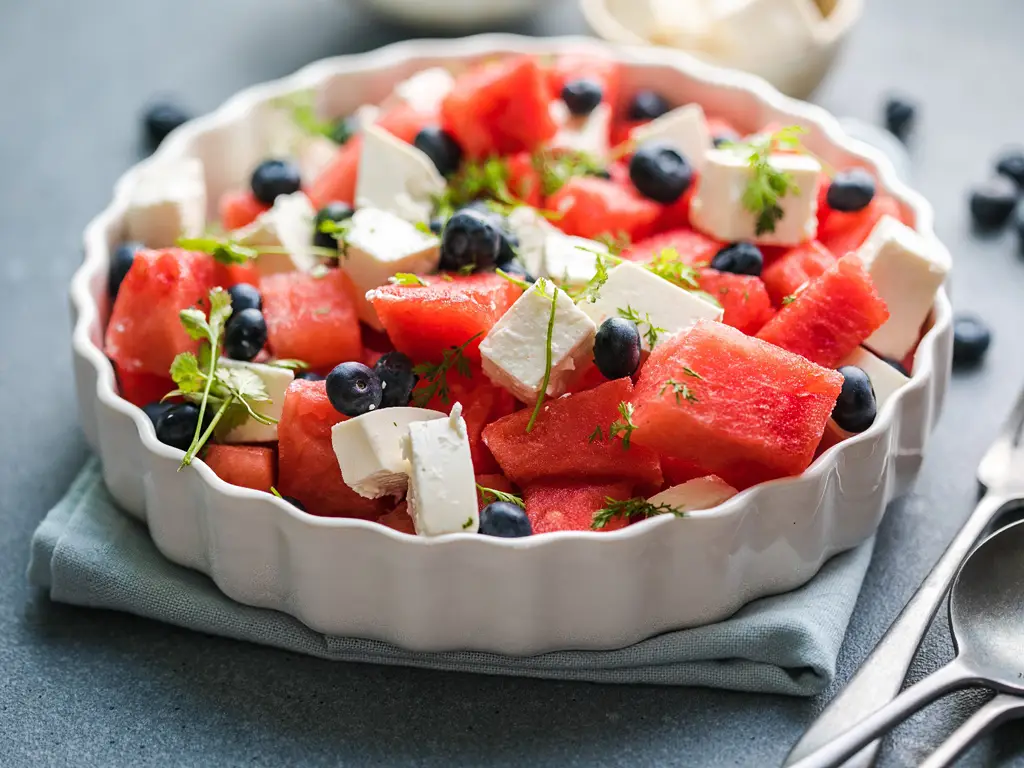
column 87, row 552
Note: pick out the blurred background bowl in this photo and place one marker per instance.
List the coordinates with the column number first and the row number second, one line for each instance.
column 454, row 14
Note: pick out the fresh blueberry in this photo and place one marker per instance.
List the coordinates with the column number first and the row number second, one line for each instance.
column 396, row 379
column 294, row 502
column 309, row 376
column 273, row 178
column 508, row 249
column 177, row 427
column 245, row 334
column 245, row 296
column 516, row 269
column 892, row 362
column 470, row 239
column 436, row 225
column 855, row 409
column 160, row 118
column 156, row 410
column 971, row 340
column 899, row 116
column 1011, row 164
column 647, row 105
column 850, row 190
column 992, row 203
column 336, row 211
column 354, row 389
column 345, row 129
column 617, row 348
column 582, row 96
column 120, row 262
column 441, row 147
column 501, row 518
column 660, row 172
column 725, row 137
column 740, row 259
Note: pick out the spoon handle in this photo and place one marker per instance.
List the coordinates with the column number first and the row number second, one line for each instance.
column 954, row 675
column 881, row 675
column 998, row 710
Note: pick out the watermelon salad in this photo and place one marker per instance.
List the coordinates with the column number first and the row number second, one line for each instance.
column 513, row 300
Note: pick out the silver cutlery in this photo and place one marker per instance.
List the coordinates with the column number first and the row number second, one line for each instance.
column 1001, row 709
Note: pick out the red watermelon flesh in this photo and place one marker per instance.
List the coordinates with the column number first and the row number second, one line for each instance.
column 591, row 206
column 250, row 466
column 571, row 506
column 560, row 446
column 145, row 333
column 585, row 377
column 795, row 267
column 753, row 412
column 398, row 519
column 524, row 180
column 578, row 66
column 239, row 209
column 142, row 388
column 424, row 321
column 312, row 319
column 677, row 214
column 496, row 482
column 718, row 126
column 843, row 233
column 743, row 297
column 830, row 317
column 307, row 467
column 693, row 247
column 228, row 275
column 679, row 471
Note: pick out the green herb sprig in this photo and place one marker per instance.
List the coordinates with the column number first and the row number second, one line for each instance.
column 624, row 425
column 541, row 285
column 557, row 166
column 229, row 251
column 437, row 373
column 767, row 184
column 652, row 332
column 631, row 509
column 495, row 495
column 681, row 391
column 407, row 278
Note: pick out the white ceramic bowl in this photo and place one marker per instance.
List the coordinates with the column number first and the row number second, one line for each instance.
column 516, row 596
column 795, row 68
column 454, row 14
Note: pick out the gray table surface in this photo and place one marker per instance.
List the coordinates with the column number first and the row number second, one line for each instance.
column 88, row 688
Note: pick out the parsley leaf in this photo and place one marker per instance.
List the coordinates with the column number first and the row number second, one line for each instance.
column 590, row 291
column 631, row 509
column 668, row 265
column 623, row 426
column 690, row 372
column 597, row 435
column 767, row 184
column 681, row 391
column 437, row 374
column 406, row 278
column 616, row 242
column 651, row 334
column 541, row 286
column 496, row 495
column 556, row 167
column 475, row 179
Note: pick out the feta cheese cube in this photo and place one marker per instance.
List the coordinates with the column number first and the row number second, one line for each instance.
column 514, row 352
column 168, row 202
column 532, row 231
column 289, row 225
column 380, row 244
column 632, row 287
column 683, row 128
column 585, row 133
column 276, row 381
column 425, row 90
column 700, row 493
column 717, row 209
column 396, row 177
column 442, row 486
column 571, row 260
column 369, row 449
column 906, row 272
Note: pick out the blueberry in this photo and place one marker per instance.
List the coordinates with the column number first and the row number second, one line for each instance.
column 1011, row 164
column 855, row 409
column 501, row 518
column 971, row 340
column 617, row 348
column 647, row 105
column 160, row 118
column 245, row 334
column 354, row 389
column 725, row 137
column 660, row 172
column 396, row 379
column 121, row 261
column 441, row 147
column 582, row 96
column 516, row 269
column 436, row 225
column 294, row 502
column 993, row 202
column 156, row 410
column 892, row 362
column 899, row 116
column 508, row 249
column 470, row 239
column 345, row 129
column 309, row 376
column 740, row 259
column 275, row 177
column 245, row 296
column 335, row 211
column 177, row 427
column 850, row 190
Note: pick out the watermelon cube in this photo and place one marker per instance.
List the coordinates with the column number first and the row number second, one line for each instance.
column 591, row 206
column 795, row 267
column 694, row 248
column 142, row 388
column 842, row 233
column 571, row 506
column 310, row 318
column 239, row 209
column 524, row 180
column 398, row 519
column 570, row 441
column 743, row 298
column 831, row 316
column 249, row 466
column 733, row 405
column 145, row 333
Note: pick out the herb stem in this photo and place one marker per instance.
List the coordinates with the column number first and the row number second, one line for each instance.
column 187, row 458
column 547, row 361
column 192, row 451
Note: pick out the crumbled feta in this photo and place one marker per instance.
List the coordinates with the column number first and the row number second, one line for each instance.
column 683, row 128
column 425, row 90
column 701, row 493
column 167, row 202
column 288, row 225
column 396, row 177
column 571, row 260
column 276, row 381
column 584, row 133
column 532, row 230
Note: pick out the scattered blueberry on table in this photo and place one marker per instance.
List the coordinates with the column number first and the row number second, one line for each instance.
column 504, row 519
column 899, row 114
column 971, row 340
column 992, row 202
column 160, row 118
column 354, row 389
column 1011, row 165
column 856, row 407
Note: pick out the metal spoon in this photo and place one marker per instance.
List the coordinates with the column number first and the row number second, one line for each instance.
column 986, row 621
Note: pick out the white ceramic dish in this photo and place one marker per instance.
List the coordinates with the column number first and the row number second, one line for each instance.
column 795, row 69
column 521, row 596
column 450, row 14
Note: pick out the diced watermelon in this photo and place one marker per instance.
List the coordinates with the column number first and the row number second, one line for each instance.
column 591, row 206
column 142, row 388
column 307, row 467
column 679, row 471
column 677, row 214
column 718, row 126
column 621, row 129
column 524, row 180
column 830, row 317
column 752, row 412
column 795, row 267
column 496, row 482
column 228, row 275
column 576, row 66
column 843, row 233
column 399, row 520
column 743, row 297
column 571, row 506
column 585, row 377
column 145, row 333
column 499, row 108
column 250, row 466
column 564, row 444
column 312, row 319
column 694, row 248
column 239, row 209
column 424, row 321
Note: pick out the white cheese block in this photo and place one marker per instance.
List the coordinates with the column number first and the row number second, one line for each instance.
column 442, row 486
column 425, row 90
column 514, row 351
column 717, row 209
column 369, row 449
column 631, row 286
column 168, row 202
column 380, row 244
column 396, row 177
column 585, row 133
column 289, row 225
column 276, row 381
column 532, row 230
column 906, row 272
column 571, row 260
column 700, row 493
column 683, row 128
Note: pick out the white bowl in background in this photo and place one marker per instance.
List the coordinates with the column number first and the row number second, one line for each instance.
column 563, row 590
column 454, row 14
